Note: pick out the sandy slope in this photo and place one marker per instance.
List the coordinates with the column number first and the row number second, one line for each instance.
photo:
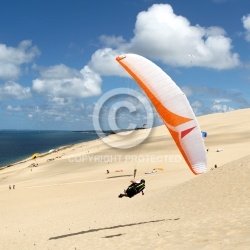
column 69, row 202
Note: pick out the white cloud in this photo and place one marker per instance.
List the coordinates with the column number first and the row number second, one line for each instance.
column 60, row 83
column 112, row 41
column 246, row 24
column 103, row 62
column 187, row 91
column 12, row 90
column 196, row 106
column 162, row 35
column 12, row 108
column 59, row 72
column 11, row 59
column 218, row 107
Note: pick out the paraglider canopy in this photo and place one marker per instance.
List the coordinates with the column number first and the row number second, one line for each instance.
column 172, row 106
column 35, row 155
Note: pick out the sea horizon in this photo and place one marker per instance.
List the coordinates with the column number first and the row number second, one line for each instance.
column 19, row 144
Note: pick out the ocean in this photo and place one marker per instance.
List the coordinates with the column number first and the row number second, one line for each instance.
column 17, row 145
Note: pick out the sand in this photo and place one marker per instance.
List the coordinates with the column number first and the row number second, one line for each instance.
column 68, row 201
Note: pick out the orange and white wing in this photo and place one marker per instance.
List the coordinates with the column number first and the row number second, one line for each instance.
column 172, row 106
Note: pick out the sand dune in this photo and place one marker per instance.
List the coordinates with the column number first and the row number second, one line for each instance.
column 68, row 201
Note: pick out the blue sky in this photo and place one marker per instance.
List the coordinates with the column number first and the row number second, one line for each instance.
column 57, row 58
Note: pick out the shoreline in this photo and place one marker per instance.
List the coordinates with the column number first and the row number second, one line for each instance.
column 43, row 153
column 40, row 156
column 63, row 137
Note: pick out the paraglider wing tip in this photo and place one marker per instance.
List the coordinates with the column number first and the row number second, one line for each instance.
column 198, row 169
column 118, row 58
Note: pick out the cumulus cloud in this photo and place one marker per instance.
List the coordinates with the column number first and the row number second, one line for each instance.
column 60, row 83
column 103, row 62
column 219, row 107
column 13, row 90
column 112, row 41
column 246, row 24
column 162, row 35
column 11, row 59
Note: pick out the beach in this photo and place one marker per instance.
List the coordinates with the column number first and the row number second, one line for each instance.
column 67, row 200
